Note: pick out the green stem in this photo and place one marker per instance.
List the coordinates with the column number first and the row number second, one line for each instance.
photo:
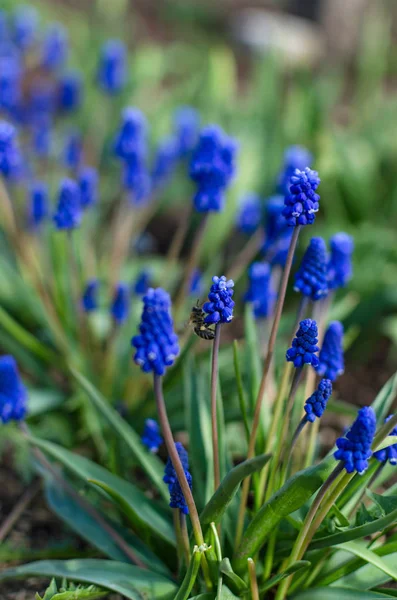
column 266, row 370
column 252, row 579
column 240, row 389
column 214, row 418
column 184, row 536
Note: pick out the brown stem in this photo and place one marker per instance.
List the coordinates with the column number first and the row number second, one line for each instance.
column 18, row 509
column 214, row 414
column 176, row 461
column 266, row 369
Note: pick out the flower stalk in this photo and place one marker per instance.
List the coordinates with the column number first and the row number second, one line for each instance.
column 214, row 411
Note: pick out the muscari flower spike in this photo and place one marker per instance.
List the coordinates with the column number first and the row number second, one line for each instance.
column 137, row 181
column 177, row 499
column 55, row 47
column 219, row 307
column 389, row 453
column 212, row 168
column 295, row 157
column 186, row 127
column 331, row 361
column 196, row 283
column 10, row 83
column 151, row 437
column 10, row 157
column 25, row 27
column 73, row 150
column 317, row 403
column 304, row 345
column 120, row 307
column 42, row 136
column 302, row 201
column 112, row 70
column 13, row 394
column 130, row 140
column 311, row 277
column 260, row 292
column 38, row 204
column 90, row 296
column 164, row 161
column 340, row 265
column 354, row 449
column 157, row 344
column 70, row 91
column 249, row 214
column 68, row 213
column 88, row 182
column 142, row 283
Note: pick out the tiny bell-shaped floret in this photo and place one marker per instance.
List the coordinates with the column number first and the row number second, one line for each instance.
column 389, row 453
column 354, row 449
column 304, row 345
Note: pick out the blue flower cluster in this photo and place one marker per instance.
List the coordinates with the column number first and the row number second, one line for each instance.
column 142, row 283
column 131, row 147
column 112, row 69
column 68, row 214
column 196, row 283
column 331, row 362
column 340, row 265
column 157, row 344
column 389, row 453
column 302, row 202
column 70, row 91
column 249, row 214
column 311, row 277
column 219, row 307
column 295, row 157
column 25, row 27
column 38, row 204
column 10, row 157
column 354, row 449
column 317, row 403
column 151, row 437
column 13, row 394
column 88, row 183
column 277, row 233
column 120, row 307
column 186, row 126
column 177, row 499
column 90, row 296
column 55, row 47
column 212, row 168
column 304, row 345
column 165, row 161
column 73, row 150
column 260, row 292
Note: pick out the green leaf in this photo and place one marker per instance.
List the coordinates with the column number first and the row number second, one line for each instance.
column 226, row 594
column 42, row 401
column 204, row 597
column 294, row 494
column 132, row 582
column 149, row 462
column 370, row 557
column 191, row 576
column 235, row 583
column 252, row 353
column 219, row 502
column 358, row 532
column 137, row 501
column 390, row 440
column 296, row 566
column 384, row 400
column 368, row 576
column 72, row 593
column 337, row 593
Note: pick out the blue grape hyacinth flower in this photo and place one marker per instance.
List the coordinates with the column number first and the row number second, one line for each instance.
column 157, row 344
column 331, row 360
column 295, row 157
column 112, row 69
column 130, row 139
column 120, row 307
column 142, row 283
column 90, row 296
column 212, row 168
column 260, row 292
column 177, row 499
column 151, row 437
column 10, row 157
column 25, row 24
column 55, row 47
column 311, row 277
column 354, row 449
column 88, row 182
column 165, row 161
column 196, row 283
column 73, row 150
column 249, row 214
column 316, row 404
column 42, row 136
column 10, row 83
column 340, row 264
column 304, row 345
column 186, row 127
column 70, row 91
column 68, row 213
column 219, row 307
column 39, row 205
column 302, row 201
column 389, row 453
column 13, row 394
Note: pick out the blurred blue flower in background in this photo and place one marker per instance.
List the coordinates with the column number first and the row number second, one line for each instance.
column 340, row 268
column 389, row 453
column 120, row 307
column 354, row 449
column 70, row 91
column 196, row 283
column 38, row 203
column 165, row 161
column 73, row 150
column 90, row 296
column 151, row 437
column 142, row 282
column 113, row 68
column 25, row 24
column 186, row 127
column 331, row 361
column 55, row 47
column 10, row 156
column 68, row 213
column 13, row 394
column 88, row 182
column 260, row 293
column 249, row 213
column 295, row 157
column 311, row 277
